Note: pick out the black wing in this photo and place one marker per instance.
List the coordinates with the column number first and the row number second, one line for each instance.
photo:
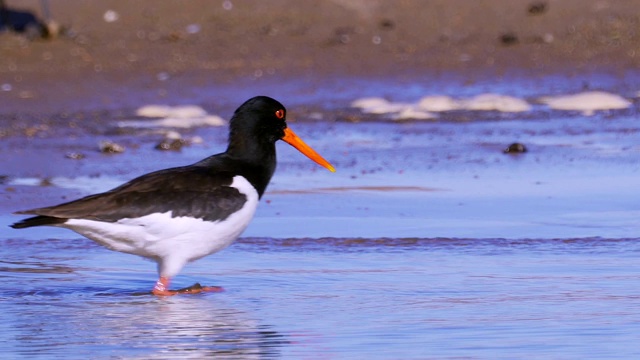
column 188, row 191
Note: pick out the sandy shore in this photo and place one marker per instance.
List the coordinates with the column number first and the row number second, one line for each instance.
column 116, row 53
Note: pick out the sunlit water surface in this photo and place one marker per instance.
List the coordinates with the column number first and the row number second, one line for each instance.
column 328, row 298
column 401, row 254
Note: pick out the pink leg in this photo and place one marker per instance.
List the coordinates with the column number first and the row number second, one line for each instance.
column 162, row 287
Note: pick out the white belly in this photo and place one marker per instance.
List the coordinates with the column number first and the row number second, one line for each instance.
column 171, row 241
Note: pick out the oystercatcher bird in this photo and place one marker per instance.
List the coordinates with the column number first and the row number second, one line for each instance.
column 178, row 215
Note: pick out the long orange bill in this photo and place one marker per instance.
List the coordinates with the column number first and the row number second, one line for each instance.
column 292, row 139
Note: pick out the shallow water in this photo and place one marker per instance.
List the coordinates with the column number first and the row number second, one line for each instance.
column 329, row 298
column 428, row 242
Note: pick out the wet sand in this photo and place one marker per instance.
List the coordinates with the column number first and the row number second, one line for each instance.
column 60, row 97
column 116, row 54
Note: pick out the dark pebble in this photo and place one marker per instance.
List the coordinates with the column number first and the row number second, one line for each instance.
column 537, row 8
column 171, row 145
column 509, row 39
column 387, row 24
column 109, row 147
column 75, row 156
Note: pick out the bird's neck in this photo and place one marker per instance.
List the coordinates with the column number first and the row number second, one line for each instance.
column 252, row 151
column 259, row 161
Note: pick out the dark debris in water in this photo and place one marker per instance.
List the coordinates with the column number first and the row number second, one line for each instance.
column 46, row 182
column 515, row 148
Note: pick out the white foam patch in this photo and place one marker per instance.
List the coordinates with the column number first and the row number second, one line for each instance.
column 425, row 107
column 413, row 113
column 438, row 103
column 184, row 116
column 495, row 102
column 587, row 102
column 376, row 105
column 369, row 102
column 160, row 111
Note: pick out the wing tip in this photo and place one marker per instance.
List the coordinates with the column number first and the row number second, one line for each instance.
column 37, row 221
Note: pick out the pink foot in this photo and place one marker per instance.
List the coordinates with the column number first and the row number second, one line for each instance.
column 161, row 288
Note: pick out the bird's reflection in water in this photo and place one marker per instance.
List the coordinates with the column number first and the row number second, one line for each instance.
column 57, row 307
column 146, row 327
column 179, row 327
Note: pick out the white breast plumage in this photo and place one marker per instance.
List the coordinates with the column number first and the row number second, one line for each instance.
column 171, row 241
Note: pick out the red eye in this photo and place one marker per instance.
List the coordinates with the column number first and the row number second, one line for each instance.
column 280, row 114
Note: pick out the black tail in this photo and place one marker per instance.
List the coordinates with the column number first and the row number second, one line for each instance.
column 38, row 221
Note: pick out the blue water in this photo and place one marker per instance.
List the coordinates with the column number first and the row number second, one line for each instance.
column 328, row 298
column 428, row 242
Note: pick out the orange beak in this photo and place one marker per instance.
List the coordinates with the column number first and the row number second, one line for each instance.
column 292, row 139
